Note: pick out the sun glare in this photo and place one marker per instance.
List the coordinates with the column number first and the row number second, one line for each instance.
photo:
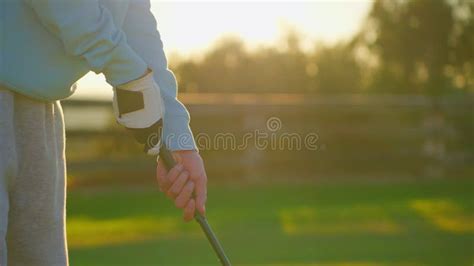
column 192, row 26
column 189, row 27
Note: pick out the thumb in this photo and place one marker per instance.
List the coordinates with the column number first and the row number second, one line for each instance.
column 177, row 157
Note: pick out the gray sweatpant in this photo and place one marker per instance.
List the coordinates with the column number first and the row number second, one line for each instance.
column 32, row 182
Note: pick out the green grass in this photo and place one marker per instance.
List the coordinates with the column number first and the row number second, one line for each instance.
column 345, row 223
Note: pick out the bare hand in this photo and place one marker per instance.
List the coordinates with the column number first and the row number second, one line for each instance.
column 186, row 183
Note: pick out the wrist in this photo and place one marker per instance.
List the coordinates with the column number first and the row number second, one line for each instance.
column 177, row 135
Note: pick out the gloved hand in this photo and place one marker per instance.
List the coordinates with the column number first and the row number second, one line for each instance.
column 138, row 106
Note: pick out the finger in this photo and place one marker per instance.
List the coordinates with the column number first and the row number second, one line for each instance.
column 185, row 195
column 177, row 158
column 201, row 194
column 172, row 176
column 178, row 185
column 188, row 213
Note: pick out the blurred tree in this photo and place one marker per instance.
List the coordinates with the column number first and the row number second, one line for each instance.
column 336, row 69
column 424, row 46
column 286, row 68
column 219, row 70
column 461, row 69
column 406, row 46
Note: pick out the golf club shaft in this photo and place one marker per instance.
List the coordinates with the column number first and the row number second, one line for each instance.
column 169, row 162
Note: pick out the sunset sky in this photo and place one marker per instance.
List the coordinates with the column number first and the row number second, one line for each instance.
column 188, row 27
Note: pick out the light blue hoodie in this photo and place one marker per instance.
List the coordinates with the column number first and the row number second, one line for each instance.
column 47, row 45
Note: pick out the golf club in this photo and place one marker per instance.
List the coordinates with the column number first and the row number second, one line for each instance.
column 169, row 162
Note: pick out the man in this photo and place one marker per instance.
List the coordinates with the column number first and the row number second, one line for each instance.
column 47, row 45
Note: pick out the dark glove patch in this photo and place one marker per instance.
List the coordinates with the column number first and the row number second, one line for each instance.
column 129, row 101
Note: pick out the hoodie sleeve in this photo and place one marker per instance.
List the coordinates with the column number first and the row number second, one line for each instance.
column 141, row 30
column 87, row 30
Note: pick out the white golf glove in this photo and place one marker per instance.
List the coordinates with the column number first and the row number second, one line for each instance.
column 138, row 106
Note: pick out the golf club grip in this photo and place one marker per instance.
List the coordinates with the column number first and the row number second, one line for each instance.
column 169, row 162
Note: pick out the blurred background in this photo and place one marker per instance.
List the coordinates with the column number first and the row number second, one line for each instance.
column 371, row 105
